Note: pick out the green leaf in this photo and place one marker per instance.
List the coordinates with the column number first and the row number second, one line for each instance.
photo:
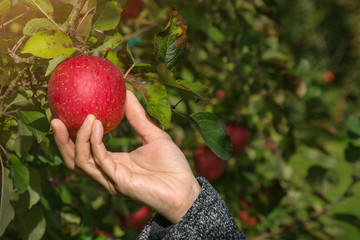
column 111, row 43
column 215, row 34
column 4, row 7
column 167, row 77
column 38, row 24
column 352, row 153
column 53, row 63
column 109, row 17
column 20, row 173
column 170, row 44
column 50, row 198
column 155, row 95
column 49, row 44
column 353, row 127
column 125, row 57
column 23, row 141
column 5, row 43
column 31, row 224
column 36, row 122
column 34, row 189
column 142, row 68
column 118, row 144
column 214, row 133
column 62, row 11
column 316, row 176
column 21, row 97
column 348, row 218
column 43, row 6
column 32, row 195
column 7, row 211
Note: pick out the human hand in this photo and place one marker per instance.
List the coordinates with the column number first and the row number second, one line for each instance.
column 156, row 174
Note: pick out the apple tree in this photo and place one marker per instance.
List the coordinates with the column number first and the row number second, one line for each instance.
column 278, row 77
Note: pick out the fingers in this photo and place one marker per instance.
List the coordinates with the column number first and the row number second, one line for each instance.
column 64, row 143
column 116, row 172
column 82, row 146
column 136, row 116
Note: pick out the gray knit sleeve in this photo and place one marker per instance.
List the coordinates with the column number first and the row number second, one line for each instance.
column 208, row 218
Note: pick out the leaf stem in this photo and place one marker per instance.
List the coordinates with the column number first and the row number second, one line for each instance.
column 129, row 70
column 77, row 28
column 175, row 106
column 13, row 19
column 46, row 15
column 16, row 46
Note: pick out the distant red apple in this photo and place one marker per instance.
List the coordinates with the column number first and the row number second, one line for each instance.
column 133, row 9
column 87, row 85
column 136, row 220
column 220, row 94
column 328, row 76
column 98, row 232
column 269, row 145
column 207, row 164
column 240, row 137
column 246, row 218
column 243, row 214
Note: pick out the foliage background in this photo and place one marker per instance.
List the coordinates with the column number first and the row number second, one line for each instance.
column 272, row 58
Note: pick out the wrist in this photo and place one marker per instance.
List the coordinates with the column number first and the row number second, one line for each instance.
column 187, row 202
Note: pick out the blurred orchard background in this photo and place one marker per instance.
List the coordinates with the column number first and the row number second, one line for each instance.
column 282, row 75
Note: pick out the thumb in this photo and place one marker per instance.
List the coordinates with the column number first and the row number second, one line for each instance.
column 138, row 119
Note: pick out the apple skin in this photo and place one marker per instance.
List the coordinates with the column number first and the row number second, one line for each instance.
column 220, row 94
column 207, row 164
column 246, row 218
column 133, row 9
column 86, row 85
column 243, row 214
column 136, row 220
column 240, row 137
column 328, row 76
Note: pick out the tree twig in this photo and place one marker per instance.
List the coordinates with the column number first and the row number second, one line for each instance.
column 12, row 86
column 18, row 59
column 69, row 25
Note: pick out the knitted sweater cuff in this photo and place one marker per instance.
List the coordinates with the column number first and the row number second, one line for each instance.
column 207, row 218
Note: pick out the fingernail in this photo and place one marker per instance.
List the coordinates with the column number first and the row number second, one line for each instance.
column 86, row 121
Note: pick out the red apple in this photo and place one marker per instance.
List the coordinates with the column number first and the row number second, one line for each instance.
column 133, row 9
column 220, row 94
column 248, row 220
column 98, row 232
column 328, row 76
column 87, row 85
column 243, row 214
column 240, row 137
column 207, row 164
column 136, row 220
